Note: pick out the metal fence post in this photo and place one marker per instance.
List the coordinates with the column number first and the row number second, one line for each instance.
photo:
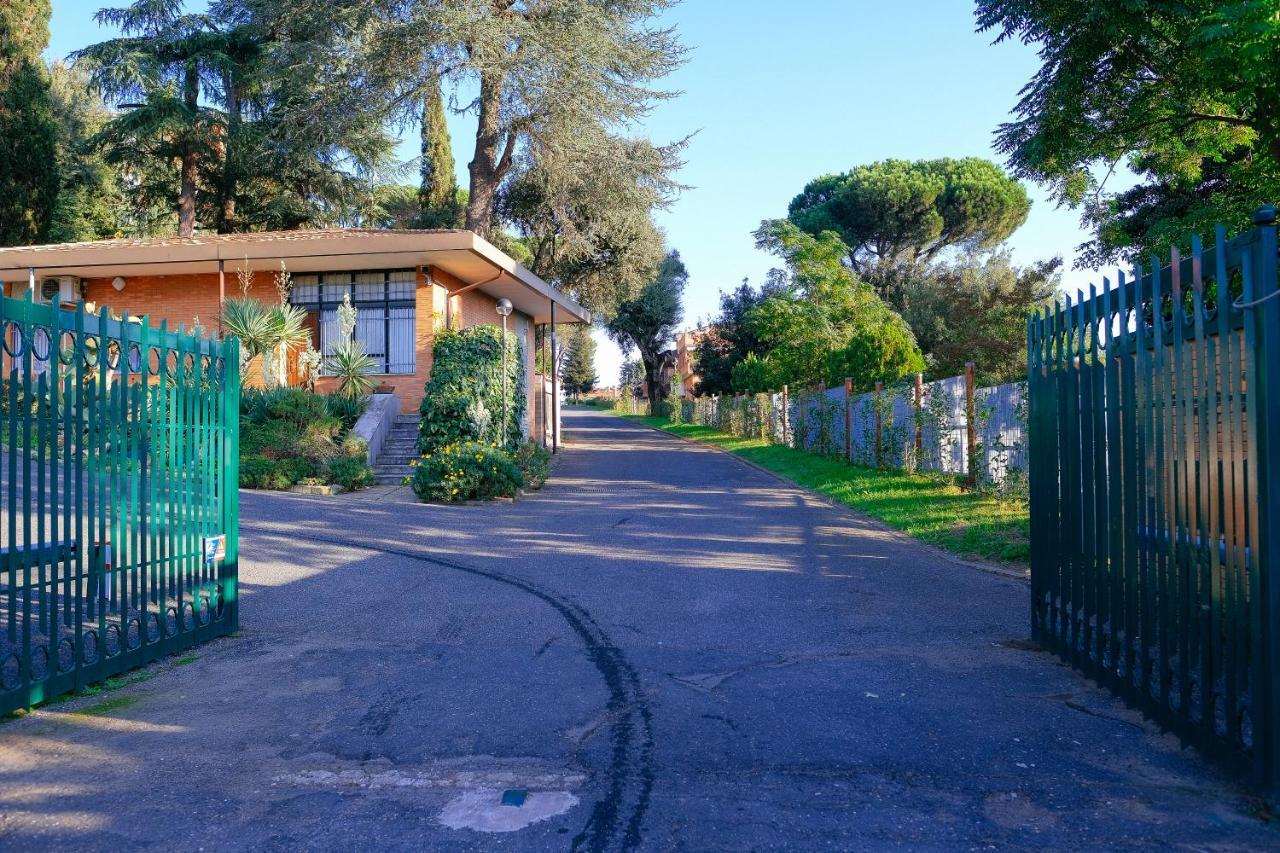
column 919, row 400
column 786, row 418
column 848, row 418
column 971, row 427
column 879, row 426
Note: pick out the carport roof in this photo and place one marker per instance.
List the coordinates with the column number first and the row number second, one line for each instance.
column 463, row 254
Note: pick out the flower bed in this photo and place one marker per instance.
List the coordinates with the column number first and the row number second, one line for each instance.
column 290, row 436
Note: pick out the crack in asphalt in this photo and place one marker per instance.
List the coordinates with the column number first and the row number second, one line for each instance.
column 617, row 818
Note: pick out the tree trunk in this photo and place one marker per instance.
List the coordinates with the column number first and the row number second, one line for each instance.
column 652, row 382
column 230, row 176
column 187, row 193
column 492, row 158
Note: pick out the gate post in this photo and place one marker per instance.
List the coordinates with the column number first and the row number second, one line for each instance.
column 1266, row 319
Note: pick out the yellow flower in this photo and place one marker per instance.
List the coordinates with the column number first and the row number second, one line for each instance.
column 454, row 492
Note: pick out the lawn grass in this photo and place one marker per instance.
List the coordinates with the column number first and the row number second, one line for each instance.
column 932, row 509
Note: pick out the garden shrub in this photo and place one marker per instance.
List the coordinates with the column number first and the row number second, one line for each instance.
column 350, row 472
column 258, row 472
column 534, row 462
column 466, row 471
column 288, row 435
column 346, row 409
column 463, row 401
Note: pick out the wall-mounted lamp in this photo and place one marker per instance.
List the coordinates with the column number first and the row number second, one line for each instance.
column 118, row 283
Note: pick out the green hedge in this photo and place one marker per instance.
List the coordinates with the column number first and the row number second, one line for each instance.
column 463, row 400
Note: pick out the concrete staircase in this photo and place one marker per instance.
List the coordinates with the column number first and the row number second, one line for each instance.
column 401, row 446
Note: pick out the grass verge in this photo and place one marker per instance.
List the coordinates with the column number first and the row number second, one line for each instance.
column 931, row 509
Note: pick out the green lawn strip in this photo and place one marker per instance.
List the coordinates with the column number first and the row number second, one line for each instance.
column 930, row 509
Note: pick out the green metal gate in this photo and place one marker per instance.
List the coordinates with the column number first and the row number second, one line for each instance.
column 1155, row 493
column 119, row 465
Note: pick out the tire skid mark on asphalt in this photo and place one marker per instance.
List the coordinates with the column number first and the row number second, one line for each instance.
column 617, row 819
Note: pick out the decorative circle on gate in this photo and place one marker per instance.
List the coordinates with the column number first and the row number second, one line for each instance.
column 11, row 673
column 134, row 637
column 66, row 655
column 205, row 611
column 113, row 355
column 13, row 340
column 153, row 627
column 219, row 368
column 189, row 363
column 113, row 641
column 89, row 647
column 40, row 344
column 135, row 358
column 188, row 616
column 171, row 364
column 154, row 360
column 67, row 348
column 206, row 367
column 89, row 351
column 216, row 598
column 40, row 663
column 170, row 621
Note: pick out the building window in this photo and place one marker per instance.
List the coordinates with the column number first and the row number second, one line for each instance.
column 386, row 313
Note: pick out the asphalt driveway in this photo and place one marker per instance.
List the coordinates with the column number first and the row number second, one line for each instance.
column 663, row 650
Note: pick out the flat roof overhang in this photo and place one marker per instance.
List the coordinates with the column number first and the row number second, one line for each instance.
column 463, row 254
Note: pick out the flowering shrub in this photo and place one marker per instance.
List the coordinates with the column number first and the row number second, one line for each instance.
column 465, row 471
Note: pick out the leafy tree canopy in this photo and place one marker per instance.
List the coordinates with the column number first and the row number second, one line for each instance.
column 728, row 339
column 824, row 324
column 549, row 73
column 896, row 210
column 649, row 321
column 1186, row 94
column 587, row 219
column 974, row 308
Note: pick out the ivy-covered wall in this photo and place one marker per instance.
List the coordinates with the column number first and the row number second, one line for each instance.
column 463, row 399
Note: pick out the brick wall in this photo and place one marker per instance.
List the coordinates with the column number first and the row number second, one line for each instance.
column 180, row 299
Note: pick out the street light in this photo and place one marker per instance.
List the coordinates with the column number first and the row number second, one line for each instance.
column 504, row 310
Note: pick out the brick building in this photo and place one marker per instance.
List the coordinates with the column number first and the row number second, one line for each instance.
column 405, row 284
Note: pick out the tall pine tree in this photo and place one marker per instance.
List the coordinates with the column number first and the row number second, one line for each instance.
column 578, row 372
column 438, row 195
column 28, row 131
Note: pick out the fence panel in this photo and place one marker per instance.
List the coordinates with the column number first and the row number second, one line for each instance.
column 1154, row 449
column 119, row 466
column 1002, row 439
column 944, row 449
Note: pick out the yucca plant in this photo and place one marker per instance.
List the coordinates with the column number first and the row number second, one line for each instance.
column 352, row 367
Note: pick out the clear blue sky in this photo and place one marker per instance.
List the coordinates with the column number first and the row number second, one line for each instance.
column 782, row 92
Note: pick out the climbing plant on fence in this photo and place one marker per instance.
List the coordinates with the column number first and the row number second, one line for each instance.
column 912, row 426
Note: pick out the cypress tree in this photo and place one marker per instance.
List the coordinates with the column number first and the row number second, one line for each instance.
column 28, row 131
column 438, row 195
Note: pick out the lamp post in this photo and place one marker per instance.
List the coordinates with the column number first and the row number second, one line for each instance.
column 504, row 310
